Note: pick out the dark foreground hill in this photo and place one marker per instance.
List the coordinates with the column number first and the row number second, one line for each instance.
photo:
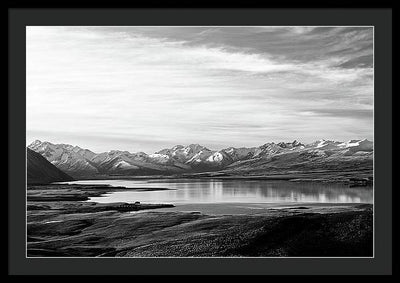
column 41, row 171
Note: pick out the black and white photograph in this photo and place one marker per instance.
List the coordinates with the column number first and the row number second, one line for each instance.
column 200, row 141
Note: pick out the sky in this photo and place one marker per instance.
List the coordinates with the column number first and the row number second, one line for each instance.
column 149, row 88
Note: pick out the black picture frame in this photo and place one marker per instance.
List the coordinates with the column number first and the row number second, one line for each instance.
column 381, row 19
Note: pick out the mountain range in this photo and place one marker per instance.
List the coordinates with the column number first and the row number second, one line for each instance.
column 282, row 157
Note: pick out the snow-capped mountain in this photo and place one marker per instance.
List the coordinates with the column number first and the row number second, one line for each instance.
column 183, row 153
column 241, row 153
column 272, row 148
column 78, row 162
column 324, row 144
column 358, row 145
column 72, row 160
column 135, row 163
column 319, row 155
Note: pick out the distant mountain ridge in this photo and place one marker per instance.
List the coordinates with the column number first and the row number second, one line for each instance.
column 268, row 157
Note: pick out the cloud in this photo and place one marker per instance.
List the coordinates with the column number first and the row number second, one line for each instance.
column 363, row 114
column 217, row 86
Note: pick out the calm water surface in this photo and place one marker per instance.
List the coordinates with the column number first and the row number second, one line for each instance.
column 190, row 191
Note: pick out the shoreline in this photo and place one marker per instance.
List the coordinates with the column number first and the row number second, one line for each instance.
column 242, row 208
column 317, row 176
column 58, row 227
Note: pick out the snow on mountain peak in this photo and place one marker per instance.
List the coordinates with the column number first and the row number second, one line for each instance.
column 195, row 148
column 321, row 143
column 362, row 145
column 350, row 143
column 177, row 147
column 296, row 143
column 290, row 145
column 216, row 157
column 35, row 143
column 158, row 155
column 123, row 165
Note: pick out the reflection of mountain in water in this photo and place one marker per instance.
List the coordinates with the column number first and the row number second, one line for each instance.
column 212, row 191
column 288, row 191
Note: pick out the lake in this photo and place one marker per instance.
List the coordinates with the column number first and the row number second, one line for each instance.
column 201, row 191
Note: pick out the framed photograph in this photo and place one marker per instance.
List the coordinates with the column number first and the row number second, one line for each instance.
column 200, row 141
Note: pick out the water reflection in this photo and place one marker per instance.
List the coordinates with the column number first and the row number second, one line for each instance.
column 240, row 191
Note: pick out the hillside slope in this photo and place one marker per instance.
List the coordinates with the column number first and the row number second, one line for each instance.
column 41, row 171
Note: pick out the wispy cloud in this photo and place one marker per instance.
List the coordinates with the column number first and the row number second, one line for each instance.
column 137, row 88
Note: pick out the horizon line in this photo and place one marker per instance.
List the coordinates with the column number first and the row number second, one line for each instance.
column 185, row 145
